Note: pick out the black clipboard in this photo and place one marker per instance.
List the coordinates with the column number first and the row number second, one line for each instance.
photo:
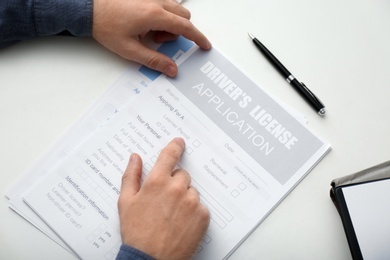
column 374, row 174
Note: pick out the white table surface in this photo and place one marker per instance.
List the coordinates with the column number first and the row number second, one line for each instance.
column 340, row 49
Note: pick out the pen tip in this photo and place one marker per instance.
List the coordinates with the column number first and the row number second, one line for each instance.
column 250, row 35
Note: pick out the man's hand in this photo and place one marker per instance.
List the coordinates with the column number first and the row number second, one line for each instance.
column 119, row 25
column 164, row 217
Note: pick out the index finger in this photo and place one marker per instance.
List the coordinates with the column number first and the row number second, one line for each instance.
column 170, row 156
column 178, row 25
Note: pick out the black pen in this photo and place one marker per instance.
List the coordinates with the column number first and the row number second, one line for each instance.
column 299, row 86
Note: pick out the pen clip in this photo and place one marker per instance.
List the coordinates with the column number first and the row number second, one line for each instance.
column 311, row 93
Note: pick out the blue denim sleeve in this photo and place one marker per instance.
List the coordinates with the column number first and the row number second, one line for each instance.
column 130, row 253
column 24, row 19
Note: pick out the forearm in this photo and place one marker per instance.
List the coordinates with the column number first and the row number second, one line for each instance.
column 24, row 19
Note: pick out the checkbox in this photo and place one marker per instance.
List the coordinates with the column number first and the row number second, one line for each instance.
column 235, row 193
column 102, row 227
column 147, row 167
column 199, row 249
column 153, row 159
column 91, row 238
column 189, row 150
column 242, row 186
column 207, row 239
column 196, row 143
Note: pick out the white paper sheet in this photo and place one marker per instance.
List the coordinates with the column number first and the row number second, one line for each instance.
column 244, row 151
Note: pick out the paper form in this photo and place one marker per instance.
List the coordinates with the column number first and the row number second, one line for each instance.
column 243, row 150
column 121, row 92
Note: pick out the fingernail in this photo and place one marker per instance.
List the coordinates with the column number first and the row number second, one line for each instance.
column 170, row 71
column 180, row 140
column 208, row 45
column 133, row 157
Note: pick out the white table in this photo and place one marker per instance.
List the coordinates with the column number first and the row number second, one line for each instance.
column 340, row 49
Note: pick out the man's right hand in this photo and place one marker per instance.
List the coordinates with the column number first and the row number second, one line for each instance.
column 163, row 217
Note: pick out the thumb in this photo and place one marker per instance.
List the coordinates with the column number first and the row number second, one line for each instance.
column 131, row 179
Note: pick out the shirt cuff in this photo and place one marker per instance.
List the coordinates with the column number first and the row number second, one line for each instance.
column 53, row 17
column 130, row 253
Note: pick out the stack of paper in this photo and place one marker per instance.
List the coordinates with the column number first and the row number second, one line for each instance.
column 244, row 150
